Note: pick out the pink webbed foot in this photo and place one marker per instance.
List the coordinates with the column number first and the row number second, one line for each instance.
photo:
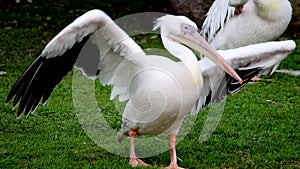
column 134, row 162
column 173, row 166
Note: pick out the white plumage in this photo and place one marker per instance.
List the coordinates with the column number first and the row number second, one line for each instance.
column 259, row 21
column 263, row 57
column 159, row 92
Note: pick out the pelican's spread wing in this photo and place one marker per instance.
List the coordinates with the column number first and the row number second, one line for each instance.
column 258, row 59
column 109, row 48
column 219, row 13
column 265, row 55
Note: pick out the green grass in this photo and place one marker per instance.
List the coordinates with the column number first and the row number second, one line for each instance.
column 259, row 128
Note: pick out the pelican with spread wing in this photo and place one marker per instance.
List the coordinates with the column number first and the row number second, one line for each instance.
column 158, row 91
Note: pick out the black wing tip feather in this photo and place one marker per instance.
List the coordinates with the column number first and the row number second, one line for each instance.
column 233, row 86
column 18, row 88
column 40, row 78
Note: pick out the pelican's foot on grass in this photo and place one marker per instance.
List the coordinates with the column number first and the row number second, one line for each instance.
column 254, row 80
column 134, row 162
column 173, row 166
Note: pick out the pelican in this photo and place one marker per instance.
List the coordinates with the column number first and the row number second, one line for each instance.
column 136, row 78
column 159, row 92
column 254, row 21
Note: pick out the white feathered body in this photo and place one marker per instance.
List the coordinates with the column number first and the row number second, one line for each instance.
column 151, row 85
column 159, row 92
column 153, row 108
column 260, row 21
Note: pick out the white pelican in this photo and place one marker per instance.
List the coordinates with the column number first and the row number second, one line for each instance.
column 116, row 48
column 256, row 21
column 159, row 91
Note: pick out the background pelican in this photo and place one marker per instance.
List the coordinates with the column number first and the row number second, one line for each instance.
column 255, row 21
column 159, row 91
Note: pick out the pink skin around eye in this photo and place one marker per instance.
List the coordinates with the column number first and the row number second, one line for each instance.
column 187, row 28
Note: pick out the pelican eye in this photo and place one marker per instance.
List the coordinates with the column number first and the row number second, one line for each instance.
column 185, row 28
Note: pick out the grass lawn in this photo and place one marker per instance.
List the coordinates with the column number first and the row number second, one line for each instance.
column 259, row 128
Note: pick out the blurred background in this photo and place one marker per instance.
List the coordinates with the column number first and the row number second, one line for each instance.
column 56, row 14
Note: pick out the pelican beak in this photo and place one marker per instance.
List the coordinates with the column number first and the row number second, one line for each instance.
column 196, row 42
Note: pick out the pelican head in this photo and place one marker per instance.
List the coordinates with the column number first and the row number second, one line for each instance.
column 179, row 31
column 174, row 24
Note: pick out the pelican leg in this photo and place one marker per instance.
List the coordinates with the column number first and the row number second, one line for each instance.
column 173, row 163
column 133, row 160
column 255, row 79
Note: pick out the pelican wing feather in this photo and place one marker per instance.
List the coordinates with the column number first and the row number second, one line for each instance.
column 109, row 49
column 219, row 13
column 248, row 61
